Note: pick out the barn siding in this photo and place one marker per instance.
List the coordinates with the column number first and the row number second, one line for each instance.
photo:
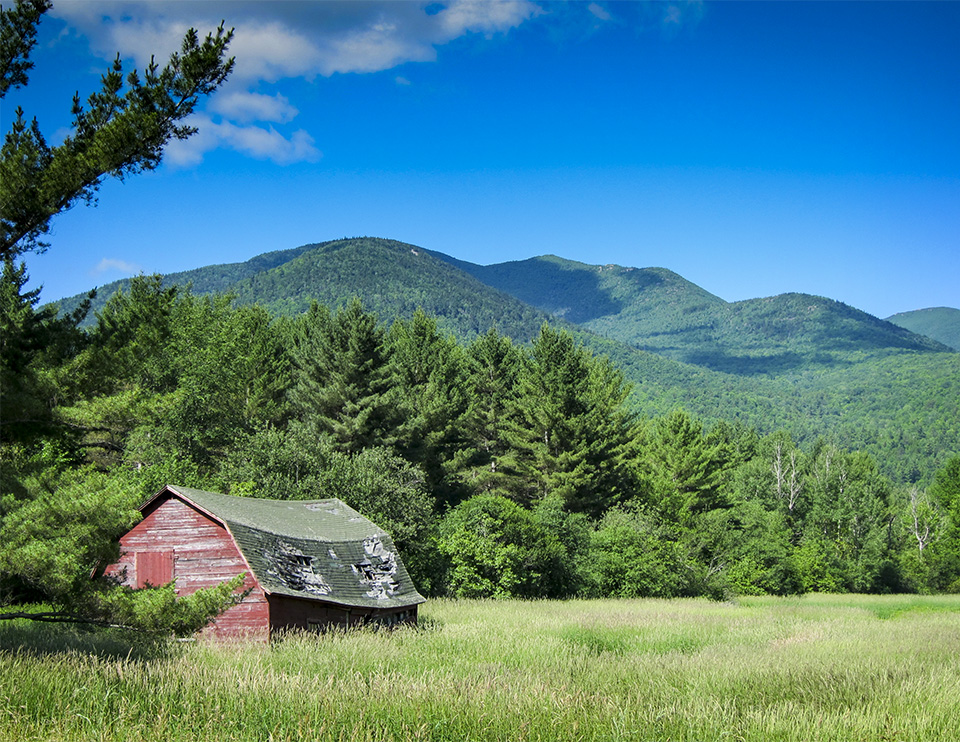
column 204, row 555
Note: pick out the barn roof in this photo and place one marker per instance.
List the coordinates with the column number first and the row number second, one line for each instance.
column 318, row 549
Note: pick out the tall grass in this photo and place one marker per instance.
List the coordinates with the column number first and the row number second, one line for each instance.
column 810, row 668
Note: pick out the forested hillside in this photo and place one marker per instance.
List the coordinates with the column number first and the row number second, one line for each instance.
column 500, row 468
column 656, row 310
column 940, row 323
column 807, row 365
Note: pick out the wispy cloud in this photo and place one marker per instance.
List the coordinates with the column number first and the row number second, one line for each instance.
column 115, row 266
column 673, row 16
column 599, row 12
column 281, row 39
column 258, row 142
column 241, row 105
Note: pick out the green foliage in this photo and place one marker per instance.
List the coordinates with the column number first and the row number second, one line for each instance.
column 497, row 549
column 946, row 488
column 130, row 344
column 749, row 550
column 431, row 399
column 939, row 323
column 570, row 432
column 493, row 367
column 687, row 467
column 818, row 566
column 633, row 556
column 31, row 341
column 18, row 36
column 159, row 610
column 52, row 539
column 342, row 377
column 943, row 560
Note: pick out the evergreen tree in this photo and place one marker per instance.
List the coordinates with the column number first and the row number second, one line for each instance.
column 232, row 377
column 24, row 333
column 130, row 344
column 494, row 364
column 343, row 379
column 686, row 467
column 571, row 433
column 431, row 399
column 120, row 132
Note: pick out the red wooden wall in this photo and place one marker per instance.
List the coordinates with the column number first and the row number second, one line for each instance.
column 175, row 540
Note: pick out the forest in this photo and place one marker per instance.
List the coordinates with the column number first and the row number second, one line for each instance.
column 502, row 469
column 805, row 365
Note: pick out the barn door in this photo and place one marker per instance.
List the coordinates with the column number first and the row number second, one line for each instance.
column 154, row 568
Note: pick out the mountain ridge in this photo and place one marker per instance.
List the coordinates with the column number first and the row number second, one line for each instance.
column 940, row 323
column 651, row 309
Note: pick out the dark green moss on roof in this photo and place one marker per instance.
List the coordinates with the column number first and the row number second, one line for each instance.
column 318, row 550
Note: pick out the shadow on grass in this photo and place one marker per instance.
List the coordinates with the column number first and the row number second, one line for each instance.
column 48, row 639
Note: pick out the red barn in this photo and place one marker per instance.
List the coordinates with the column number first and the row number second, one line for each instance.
column 309, row 564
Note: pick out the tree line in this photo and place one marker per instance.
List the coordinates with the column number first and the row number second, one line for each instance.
column 501, row 469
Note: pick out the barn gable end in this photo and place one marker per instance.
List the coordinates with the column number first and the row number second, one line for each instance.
column 203, row 553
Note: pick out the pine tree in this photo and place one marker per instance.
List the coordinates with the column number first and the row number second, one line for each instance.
column 121, row 131
column 686, row 467
column 31, row 341
column 342, row 377
column 494, row 364
column 431, row 399
column 570, row 433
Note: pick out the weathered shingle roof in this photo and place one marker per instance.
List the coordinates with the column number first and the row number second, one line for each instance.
column 318, row 549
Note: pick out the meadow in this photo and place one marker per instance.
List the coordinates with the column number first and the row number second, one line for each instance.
column 816, row 667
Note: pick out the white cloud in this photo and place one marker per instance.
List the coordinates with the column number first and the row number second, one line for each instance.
column 261, row 143
column 379, row 46
column 485, row 16
column 271, row 51
column 676, row 15
column 240, row 105
column 292, row 39
column 282, row 40
column 116, row 265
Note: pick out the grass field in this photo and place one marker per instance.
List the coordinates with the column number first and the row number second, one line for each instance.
column 818, row 667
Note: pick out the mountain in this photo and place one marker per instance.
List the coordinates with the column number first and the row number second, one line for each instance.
column 656, row 310
column 814, row 367
column 939, row 323
column 392, row 278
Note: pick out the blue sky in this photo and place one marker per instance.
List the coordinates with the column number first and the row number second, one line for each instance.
column 754, row 148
